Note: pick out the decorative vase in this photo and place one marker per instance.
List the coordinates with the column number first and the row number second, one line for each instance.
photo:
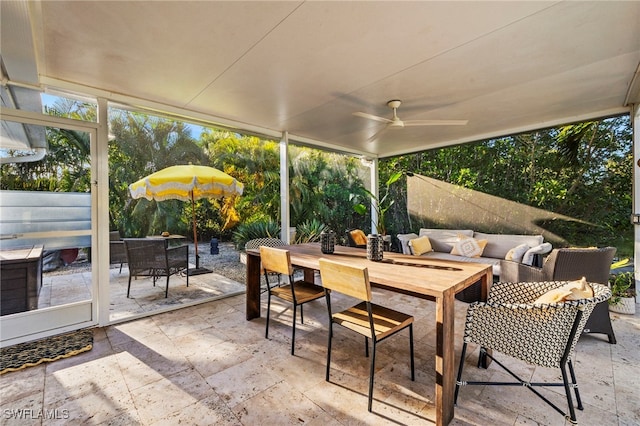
column 626, row 305
column 327, row 242
column 375, row 246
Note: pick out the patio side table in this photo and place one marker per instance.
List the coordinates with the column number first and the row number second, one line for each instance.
column 21, row 277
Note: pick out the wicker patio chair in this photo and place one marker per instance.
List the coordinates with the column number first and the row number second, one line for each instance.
column 571, row 264
column 372, row 321
column 152, row 257
column 296, row 292
column 268, row 242
column 540, row 334
column 117, row 252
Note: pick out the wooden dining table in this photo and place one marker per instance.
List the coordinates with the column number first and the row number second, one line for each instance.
column 437, row 280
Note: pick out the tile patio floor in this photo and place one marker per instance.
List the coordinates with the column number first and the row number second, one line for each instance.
column 206, row 365
column 145, row 298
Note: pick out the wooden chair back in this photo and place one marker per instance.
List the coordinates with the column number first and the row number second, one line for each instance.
column 276, row 260
column 346, row 279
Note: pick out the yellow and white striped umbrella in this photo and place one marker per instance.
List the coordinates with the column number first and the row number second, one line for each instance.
column 187, row 183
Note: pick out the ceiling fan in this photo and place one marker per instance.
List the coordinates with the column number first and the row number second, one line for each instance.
column 395, row 122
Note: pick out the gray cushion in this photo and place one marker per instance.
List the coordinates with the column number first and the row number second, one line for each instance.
column 404, row 241
column 442, row 240
column 499, row 244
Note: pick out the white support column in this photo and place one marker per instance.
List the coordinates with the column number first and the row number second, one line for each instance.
column 373, row 169
column 284, row 188
column 635, row 118
column 100, row 210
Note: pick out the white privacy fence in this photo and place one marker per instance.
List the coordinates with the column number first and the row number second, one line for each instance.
column 55, row 220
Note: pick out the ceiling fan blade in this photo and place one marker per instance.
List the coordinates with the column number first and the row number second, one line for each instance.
column 377, row 134
column 372, row 117
column 435, row 122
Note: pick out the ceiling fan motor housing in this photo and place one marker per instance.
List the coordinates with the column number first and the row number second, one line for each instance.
column 395, row 121
column 394, row 103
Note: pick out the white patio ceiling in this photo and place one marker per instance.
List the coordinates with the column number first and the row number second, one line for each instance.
column 306, row 67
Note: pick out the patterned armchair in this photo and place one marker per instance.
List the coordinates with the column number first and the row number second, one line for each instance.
column 268, row 242
column 541, row 334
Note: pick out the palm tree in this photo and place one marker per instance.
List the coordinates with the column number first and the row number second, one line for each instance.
column 144, row 144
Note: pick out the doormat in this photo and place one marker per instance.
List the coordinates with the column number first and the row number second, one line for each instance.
column 49, row 349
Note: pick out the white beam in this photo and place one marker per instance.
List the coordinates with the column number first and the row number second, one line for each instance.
column 635, row 118
column 374, row 190
column 284, row 188
column 100, row 211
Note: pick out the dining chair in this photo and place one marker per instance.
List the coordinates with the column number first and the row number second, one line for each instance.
column 152, row 257
column 117, row 251
column 372, row 321
column 296, row 292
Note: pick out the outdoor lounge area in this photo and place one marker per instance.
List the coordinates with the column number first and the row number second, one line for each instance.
column 206, row 365
column 499, row 118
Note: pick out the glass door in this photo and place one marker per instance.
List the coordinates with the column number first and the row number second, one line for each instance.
column 47, row 226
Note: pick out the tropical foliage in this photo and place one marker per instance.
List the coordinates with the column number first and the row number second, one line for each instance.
column 309, row 231
column 66, row 147
column 381, row 205
column 622, row 285
column 582, row 171
column 321, row 184
column 143, row 144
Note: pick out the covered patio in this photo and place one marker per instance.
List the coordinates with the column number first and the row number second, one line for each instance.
column 318, row 74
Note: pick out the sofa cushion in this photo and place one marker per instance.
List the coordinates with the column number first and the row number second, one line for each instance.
column 543, row 248
column 468, row 247
column 442, row 240
column 420, row 246
column 404, row 241
column 516, row 253
column 498, row 245
column 358, row 236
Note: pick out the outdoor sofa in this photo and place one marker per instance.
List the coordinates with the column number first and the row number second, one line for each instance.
column 466, row 245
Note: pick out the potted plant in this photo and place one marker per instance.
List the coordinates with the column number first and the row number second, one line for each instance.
column 381, row 205
column 623, row 294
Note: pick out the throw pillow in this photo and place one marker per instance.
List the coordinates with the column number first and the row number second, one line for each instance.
column 543, row 248
column 404, row 241
column 420, row 245
column 469, row 247
column 516, row 253
column 573, row 290
column 358, row 237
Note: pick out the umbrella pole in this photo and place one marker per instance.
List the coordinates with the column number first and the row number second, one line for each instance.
column 197, row 270
column 195, row 232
